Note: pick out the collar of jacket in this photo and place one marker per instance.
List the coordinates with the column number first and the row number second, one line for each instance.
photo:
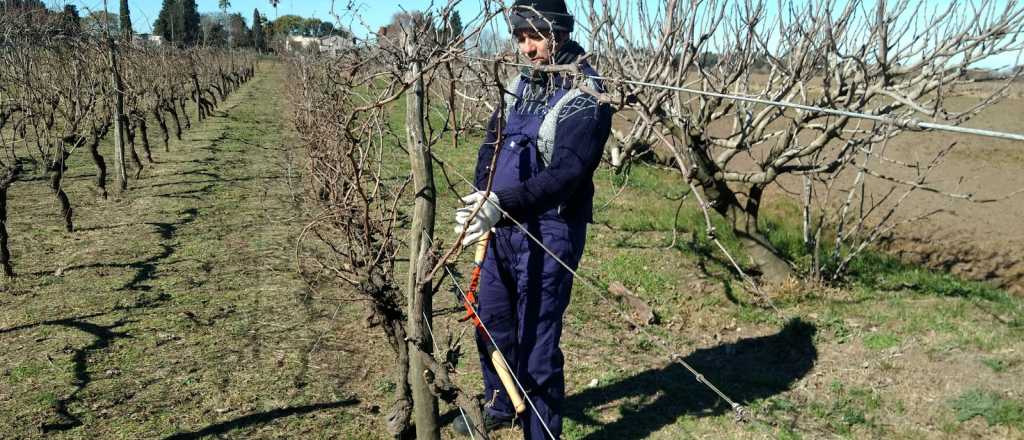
column 567, row 54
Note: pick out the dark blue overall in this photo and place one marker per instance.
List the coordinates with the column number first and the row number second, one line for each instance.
column 524, row 291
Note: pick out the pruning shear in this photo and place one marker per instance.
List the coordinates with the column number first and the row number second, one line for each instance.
column 470, row 303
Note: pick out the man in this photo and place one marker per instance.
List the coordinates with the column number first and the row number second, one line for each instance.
column 552, row 138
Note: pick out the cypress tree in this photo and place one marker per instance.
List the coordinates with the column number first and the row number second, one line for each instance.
column 126, row 21
column 454, row 27
column 257, row 29
column 166, row 25
column 178, row 22
column 190, row 22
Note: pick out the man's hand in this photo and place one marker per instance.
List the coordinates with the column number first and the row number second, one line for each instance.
column 487, row 216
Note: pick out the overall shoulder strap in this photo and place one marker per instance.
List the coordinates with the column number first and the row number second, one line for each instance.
column 548, row 128
column 512, row 86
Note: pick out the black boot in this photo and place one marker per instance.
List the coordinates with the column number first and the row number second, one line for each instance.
column 491, row 422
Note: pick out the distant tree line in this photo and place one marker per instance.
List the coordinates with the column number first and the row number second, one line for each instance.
column 179, row 23
column 445, row 29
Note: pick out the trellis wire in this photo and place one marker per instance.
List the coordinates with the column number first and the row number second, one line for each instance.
column 501, row 355
column 903, row 123
column 741, row 412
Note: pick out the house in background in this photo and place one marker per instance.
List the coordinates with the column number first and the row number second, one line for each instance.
column 300, row 42
column 331, row 45
column 334, row 44
column 147, row 40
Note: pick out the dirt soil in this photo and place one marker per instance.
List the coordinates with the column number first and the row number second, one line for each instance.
column 980, row 241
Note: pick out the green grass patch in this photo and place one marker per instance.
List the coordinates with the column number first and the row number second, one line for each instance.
column 636, row 272
column 999, row 365
column 882, row 272
column 22, row 373
column 881, row 341
column 993, row 407
column 850, row 407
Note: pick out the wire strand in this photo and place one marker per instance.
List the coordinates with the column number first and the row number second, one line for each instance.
column 905, row 123
column 740, row 411
column 497, row 348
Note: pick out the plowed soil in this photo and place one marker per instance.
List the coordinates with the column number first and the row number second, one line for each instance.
column 976, row 240
column 980, row 241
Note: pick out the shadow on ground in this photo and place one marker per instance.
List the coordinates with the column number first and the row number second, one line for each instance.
column 145, row 270
column 747, row 370
column 225, row 427
column 104, row 336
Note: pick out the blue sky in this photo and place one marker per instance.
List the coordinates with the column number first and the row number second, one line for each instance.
column 374, row 13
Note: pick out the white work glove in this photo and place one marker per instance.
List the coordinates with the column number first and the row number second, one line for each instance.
column 485, row 218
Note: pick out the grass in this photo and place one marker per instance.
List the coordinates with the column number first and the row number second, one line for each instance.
column 1000, row 365
column 176, row 309
column 989, row 405
column 881, row 341
column 850, row 409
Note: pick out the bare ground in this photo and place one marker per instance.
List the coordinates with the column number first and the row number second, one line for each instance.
column 981, row 241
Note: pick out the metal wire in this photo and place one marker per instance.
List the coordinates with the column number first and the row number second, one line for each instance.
column 501, row 355
column 433, row 340
column 741, row 412
column 904, row 123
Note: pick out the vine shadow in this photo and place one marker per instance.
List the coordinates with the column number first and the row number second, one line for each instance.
column 747, row 370
column 104, row 336
column 225, row 427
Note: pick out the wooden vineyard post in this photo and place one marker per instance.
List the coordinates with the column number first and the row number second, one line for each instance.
column 119, row 119
column 420, row 301
column 122, row 173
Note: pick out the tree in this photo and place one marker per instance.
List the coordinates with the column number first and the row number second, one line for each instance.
column 311, row 27
column 326, row 28
column 178, row 22
column 165, row 21
column 126, row 21
column 288, row 25
column 257, row 30
column 70, row 21
column 224, row 6
column 402, row 23
column 211, row 30
column 238, row 33
column 100, row 22
column 854, row 56
column 190, row 22
column 452, row 29
column 334, row 118
column 22, row 5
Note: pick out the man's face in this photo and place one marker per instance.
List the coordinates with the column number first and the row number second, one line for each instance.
column 537, row 46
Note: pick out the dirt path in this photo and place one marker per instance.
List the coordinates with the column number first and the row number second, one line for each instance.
column 174, row 310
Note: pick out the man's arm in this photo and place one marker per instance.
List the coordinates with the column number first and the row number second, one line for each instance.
column 579, row 144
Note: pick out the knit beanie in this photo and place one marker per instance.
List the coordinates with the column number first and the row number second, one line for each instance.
column 542, row 15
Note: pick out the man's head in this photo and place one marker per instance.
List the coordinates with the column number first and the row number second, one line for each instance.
column 540, row 27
